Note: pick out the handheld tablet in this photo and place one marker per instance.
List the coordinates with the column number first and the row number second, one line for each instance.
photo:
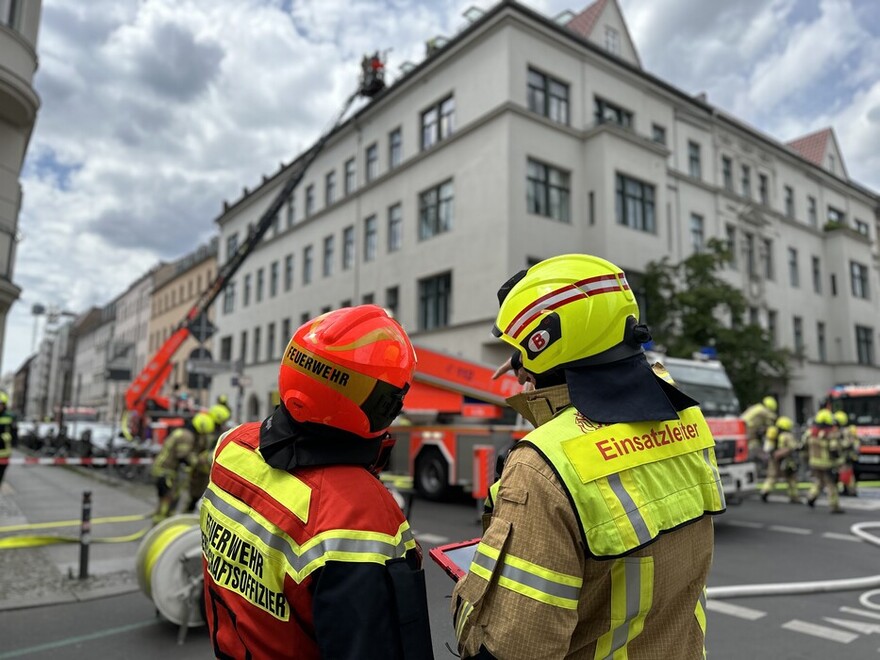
column 455, row 558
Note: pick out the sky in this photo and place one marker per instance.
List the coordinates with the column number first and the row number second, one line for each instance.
column 156, row 111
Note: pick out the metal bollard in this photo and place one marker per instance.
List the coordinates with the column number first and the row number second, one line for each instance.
column 85, row 533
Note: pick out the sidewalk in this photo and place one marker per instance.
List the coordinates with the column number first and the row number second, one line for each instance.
column 49, row 574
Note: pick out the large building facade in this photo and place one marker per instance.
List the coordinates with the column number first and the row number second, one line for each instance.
column 19, row 24
column 523, row 138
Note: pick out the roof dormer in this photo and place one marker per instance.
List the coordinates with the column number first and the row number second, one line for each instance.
column 821, row 148
column 602, row 23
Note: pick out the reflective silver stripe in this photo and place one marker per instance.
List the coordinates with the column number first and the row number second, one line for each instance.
column 632, row 511
column 716, row 476
column 299, row 562
column 633, row 590
column 529, row 579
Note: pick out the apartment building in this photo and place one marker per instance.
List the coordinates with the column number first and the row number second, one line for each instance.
column 175, row 290
column 524, row 137
column 19, row 24
column 92, row 351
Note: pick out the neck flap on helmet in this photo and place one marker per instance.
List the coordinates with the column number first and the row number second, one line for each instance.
column 286, row 444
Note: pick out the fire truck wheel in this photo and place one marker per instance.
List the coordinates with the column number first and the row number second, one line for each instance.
column 432, row 475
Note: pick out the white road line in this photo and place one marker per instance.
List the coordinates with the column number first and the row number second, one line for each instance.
column 790, row 530
column 824, row 632
column 431, row 538
column 841, row 537
column 744, row 523
column 723, row 607
column 855, row 610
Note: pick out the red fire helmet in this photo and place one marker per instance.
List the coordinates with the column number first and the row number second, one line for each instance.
column 348, row 369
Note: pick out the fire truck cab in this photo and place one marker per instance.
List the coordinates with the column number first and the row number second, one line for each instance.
column 861, row 403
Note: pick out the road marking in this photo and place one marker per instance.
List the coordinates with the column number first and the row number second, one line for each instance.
column 70, row 641
column 841, row 537
column 744, row 523
column 855, row 610
column 790, row 530
column 431, row 538
column 824, row 632
column 739, row 611
column 858, row 626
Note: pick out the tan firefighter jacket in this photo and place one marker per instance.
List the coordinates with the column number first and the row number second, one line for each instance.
column 574, row 565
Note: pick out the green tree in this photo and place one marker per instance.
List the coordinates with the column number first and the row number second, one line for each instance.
column 689, row 306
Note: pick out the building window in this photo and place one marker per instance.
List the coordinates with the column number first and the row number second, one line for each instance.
column 288, row 272
column 231, row 246
column 817, row 275
column 864, row 344
column 548, row 97
column 859, row 280
column 395, row 227
column 434, row 301
column 751, row 265
column 246, row 291
column 372, row 169
column 436, row 210
column 305, row 317
column 392, row 300
column 547, row 191
column 753, row 316
column 746, row 181
column 258, row 331
column 607, row 112
column 395, row 148
column 772, row 316
column 243, row 346
column 285, row 330
column 612, row 40
column 291, row 211
column 763, row 191
column 310, row 200
column 368, row 299
column 229, row 298
column 259, row 292
column 861, row 227
column 273, row 279
column 226, row 349
column 793, row 273
column 330, row 188
column 789, row 201
column 371, row 238
column 307, row 264
column 798, row 323
column 658, row 134
column 270, row 341
column 833, row 284
column 767, row 254
column 347, row 248
column 438, row 122
column 698, row 232
column 731, row 246
column 326, row 309
column 635, row 204
column 350, row 176
column 820, row 342
column 727, row 172
column 328, row 256
column 812, row 214
column 836, row 216
column 10, row 10
column 695, row 168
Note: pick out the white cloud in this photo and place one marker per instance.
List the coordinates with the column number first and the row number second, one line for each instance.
column 156, row 111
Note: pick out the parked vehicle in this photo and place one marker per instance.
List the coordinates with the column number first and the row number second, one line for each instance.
column 861, row 403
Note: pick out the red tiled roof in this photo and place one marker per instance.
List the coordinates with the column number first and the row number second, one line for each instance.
column 812, row 146
column 584, row 22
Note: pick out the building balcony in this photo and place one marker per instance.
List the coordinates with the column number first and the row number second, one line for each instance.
column 18, row 62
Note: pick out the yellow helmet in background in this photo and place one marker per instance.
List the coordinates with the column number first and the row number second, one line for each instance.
column 219, row 413
column 841, row 418
column 569, row 310
column 770, row 403
column 772, row 433
column 203, row 423
column 4, row 398
column 824, row 417
column 784, row 423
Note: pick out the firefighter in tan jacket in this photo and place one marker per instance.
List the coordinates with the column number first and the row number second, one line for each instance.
column 600, row 540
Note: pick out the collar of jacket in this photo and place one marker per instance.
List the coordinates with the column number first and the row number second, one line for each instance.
column 287, row 444
column 541, row 405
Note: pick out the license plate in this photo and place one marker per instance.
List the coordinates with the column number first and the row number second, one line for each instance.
column 870, row 458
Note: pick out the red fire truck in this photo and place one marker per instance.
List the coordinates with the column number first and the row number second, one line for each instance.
column 861, row 403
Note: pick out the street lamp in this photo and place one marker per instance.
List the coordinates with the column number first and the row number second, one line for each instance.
column 37, row 310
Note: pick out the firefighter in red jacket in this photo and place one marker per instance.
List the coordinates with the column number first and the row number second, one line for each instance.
column 306, row 554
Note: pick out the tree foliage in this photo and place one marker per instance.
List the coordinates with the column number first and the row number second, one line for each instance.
column 689, row 306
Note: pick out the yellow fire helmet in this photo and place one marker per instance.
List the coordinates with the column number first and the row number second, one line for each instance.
column 203, row 423
column 784, row 423
column 824, row 417
column 219, row 413
column 841, row 418
column 4, row 398
column 770, row 403
column 568, row 311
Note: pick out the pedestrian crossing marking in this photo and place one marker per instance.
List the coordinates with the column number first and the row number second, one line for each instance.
column 841, row 537
column 738, row 611
column 790, row 530
column 831, row 634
